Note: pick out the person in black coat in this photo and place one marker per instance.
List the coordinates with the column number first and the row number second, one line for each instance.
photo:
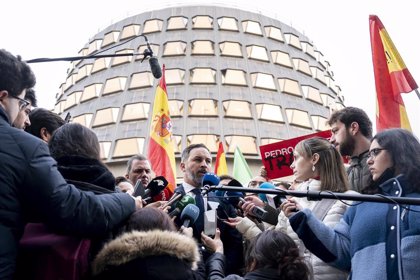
column 32, row 189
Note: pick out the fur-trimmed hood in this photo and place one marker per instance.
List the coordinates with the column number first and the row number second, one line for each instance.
column 140, row 244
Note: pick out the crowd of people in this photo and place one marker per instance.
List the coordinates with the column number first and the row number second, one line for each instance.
column 52, row 175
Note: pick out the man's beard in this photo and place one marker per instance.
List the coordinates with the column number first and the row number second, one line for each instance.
column 348, row 145
column 196, row 178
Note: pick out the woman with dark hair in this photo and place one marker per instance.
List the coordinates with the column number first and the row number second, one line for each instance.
column 270, row 255
column 150, row 248
column 374, row 240
column 76, row 150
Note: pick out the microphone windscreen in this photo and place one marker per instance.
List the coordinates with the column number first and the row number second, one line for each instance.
column 155, row 67
column 265, row 185
column 190, row 214
column 233, row 197
column 157, row 185
column 210, row 179
column 187, row 199
column 234, row 183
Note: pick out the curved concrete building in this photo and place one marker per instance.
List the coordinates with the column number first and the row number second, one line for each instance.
column 232, row 76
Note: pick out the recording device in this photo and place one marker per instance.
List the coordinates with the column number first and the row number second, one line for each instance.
column 155, row 187
column 256, row 211
column 139, row 189
column 209, row 179
column 185, row 200
column 210, row 222
column 189, row 215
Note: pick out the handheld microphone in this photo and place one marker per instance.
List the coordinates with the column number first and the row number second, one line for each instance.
column 155, row 67
column 186, row 200
column 265, row 185
column 189, row 215
column 155, row 187
column 209, row 179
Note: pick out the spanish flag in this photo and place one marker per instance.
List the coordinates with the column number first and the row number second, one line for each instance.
column 391, row 78
column 161, row 151
column 220, row 167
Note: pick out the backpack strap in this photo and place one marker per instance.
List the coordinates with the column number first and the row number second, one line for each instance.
column 322, row 207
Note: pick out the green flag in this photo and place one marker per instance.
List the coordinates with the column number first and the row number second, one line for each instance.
column 241, row 171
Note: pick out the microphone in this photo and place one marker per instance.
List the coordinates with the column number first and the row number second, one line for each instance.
column 185, row 200
column 189, row 215
column 155, row 67
column 155, row 187
column 265, row 185
column 209, row 179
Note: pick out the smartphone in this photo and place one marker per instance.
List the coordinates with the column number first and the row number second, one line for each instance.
column 256, row 211
column 210, row 223
column 139, row 189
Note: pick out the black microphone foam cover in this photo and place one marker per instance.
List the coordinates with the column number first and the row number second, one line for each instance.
column 155, row 67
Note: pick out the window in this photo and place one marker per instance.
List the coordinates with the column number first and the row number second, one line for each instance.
column 106, row 116
column 312, row 94
column 174, row 48
column 274, row 33
column 327, row 100
column 70, row 81
column 252, row 27
column 105, row 149
column 128, row 147
column 302, row 66
column 84, row 119
column 202, row 47
column 101, row 64
column 83, row 72
column 263, row 81
column 177, row 23
column 130, row 31
column 265, row 141
column 233, row 77
column 135, row 111
column 90, row 92
column 175, row 76
column 257, row 52
column 281, row 58
column 152, row 25
column 298, row 118
column 320, row 123
column 141, row 80
column 176, row 108
column 289, row 86
column 114, row 85
column 207, row 139
column 203, row 76
column 247, row 144
column 308, row 48
column 230, row 49
column 110, row 38
column 72, row 99
column 94, row 46
column 59, row 107
column 237, row 109
column 318, row 74
column 141, row 48
column 202, row 22
column 203, row 107
column 228, row 24
column 293, row 40
column 176, row 141
column 269, row 112
column 123, row 59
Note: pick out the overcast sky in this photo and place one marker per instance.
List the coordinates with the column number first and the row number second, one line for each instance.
column 339, row 29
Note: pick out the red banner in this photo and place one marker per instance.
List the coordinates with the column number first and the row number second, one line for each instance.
column 277, row 157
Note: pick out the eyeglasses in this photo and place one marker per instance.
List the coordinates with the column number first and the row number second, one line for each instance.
column 22, row 102
column 254, row 184
column 374, row 152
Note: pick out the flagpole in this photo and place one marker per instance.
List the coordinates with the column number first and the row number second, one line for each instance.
column 418, row 94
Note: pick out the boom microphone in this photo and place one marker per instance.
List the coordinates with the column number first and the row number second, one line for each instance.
column 155, row 67
column 209, row 179
column 155, row 187
column 189, row 215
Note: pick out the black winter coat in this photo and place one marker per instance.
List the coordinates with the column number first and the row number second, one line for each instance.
column 32, row 190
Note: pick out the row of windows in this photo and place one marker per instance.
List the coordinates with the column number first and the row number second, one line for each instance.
column 201, row 22
column 130, row 146
column 204, row 47
column 204, row 108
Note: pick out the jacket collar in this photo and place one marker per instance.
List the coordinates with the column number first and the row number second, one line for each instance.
column 3, row 115
column 392, row 187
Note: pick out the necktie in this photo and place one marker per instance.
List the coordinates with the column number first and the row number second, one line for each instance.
column 199, row 202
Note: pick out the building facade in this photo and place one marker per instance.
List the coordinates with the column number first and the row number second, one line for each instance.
column 232, row 76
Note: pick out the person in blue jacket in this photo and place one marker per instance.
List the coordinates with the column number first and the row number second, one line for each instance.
column 374, row 240
column 31, row 188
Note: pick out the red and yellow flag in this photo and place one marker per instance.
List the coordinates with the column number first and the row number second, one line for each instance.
column 220, row 167
column 161, row 151
column 391, row 78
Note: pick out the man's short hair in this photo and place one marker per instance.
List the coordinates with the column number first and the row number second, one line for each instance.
column 186, row 152
column 352, row 114
column 39, row 118
column 30, row 96
column 15, row 74
column 138, row 157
